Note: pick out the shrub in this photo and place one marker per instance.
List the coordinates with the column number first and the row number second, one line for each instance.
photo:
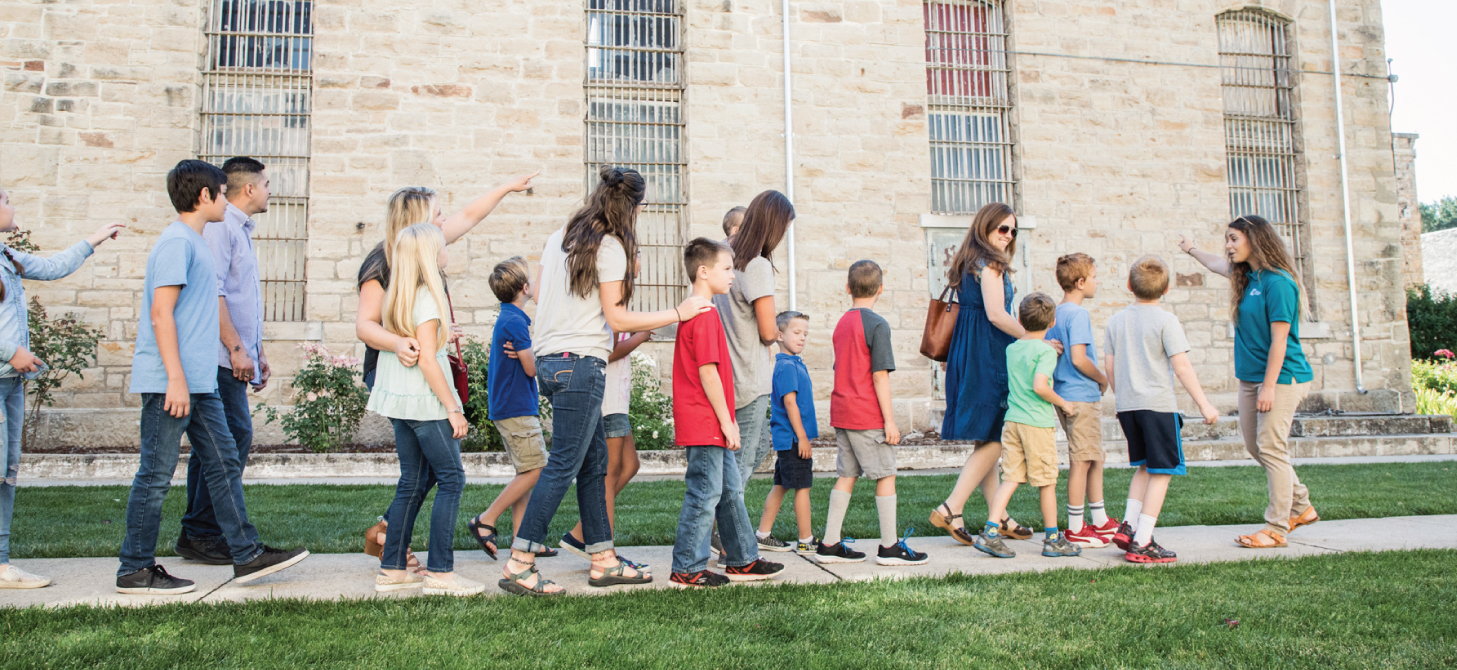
column 1435, row 384
column 482, row 435
column 1432, row 320
column 651, row 410
column 67, row 346
column 328, row 401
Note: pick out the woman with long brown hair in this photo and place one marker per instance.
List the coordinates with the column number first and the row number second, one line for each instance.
column 1274, row 377
column 584, row 283
column 976, row 368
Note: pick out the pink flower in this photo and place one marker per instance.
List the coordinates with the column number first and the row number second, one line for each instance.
column 1444, row 353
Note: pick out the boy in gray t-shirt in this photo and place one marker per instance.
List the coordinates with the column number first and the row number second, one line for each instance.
column 1144, row 349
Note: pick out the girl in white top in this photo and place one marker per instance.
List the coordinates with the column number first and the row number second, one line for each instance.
column 427, row 417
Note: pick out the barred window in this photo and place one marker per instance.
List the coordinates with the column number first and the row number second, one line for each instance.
column 634, row 92
column 1260, row 132
column 256, row 101
column 969, row 104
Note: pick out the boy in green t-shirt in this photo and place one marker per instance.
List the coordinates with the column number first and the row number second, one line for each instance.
column 1029, row 440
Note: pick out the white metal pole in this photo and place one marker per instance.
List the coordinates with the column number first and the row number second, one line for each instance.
column 1346, row 199
column 789, row 158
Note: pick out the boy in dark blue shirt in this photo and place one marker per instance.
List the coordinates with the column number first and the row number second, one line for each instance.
column 511, row 382
column 791, row 426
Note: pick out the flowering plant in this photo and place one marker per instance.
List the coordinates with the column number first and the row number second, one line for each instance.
column 651, row 410
column 1435, row 384
column 328, row 401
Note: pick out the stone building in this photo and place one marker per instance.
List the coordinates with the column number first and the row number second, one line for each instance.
column 1112, row 126
column 1408, row 206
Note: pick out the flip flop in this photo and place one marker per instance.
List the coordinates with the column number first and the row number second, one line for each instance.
column 1262, row 539
column 484, row 540
column 946, row 522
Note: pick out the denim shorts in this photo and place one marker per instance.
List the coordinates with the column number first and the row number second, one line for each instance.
column 617, row 425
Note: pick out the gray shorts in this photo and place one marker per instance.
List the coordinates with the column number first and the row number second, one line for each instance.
column 864, row 453
column 616, row 425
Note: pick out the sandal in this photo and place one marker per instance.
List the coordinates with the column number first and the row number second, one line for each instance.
column 548, row 553
column 372, row 546
column 1015, row 531
column 1304, row 518
column 614, row 576
column 946, row 523
column 1262, row 539
column 485, row 541
column 511, row 583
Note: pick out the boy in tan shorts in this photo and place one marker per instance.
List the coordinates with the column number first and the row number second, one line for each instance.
column 1079, row 381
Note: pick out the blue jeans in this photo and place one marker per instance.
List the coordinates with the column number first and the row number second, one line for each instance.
column 12, row 402
column 199, row 521
column 424, row 447
column 714, row 490
column 207, row 428
column 753, row 420
column 574, row 386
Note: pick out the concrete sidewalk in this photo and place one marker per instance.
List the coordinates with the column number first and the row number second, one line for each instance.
column 90, row 581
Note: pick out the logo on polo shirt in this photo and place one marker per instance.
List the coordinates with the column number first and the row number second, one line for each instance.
column 1254, row 291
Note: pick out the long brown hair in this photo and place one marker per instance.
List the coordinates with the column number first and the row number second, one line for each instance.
column 977, row 247
column 1266, row 249
column 611, row 209
column 768, row 216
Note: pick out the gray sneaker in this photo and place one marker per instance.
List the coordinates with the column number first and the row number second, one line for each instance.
column 771, row 543
column 1058, row 546
column 991, row 543
column 716, row 544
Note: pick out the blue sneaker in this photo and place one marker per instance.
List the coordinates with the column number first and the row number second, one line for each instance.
column 574, row 546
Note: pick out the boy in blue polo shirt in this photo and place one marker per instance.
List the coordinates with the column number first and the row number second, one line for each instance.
column 511, row 382
column 791, row 426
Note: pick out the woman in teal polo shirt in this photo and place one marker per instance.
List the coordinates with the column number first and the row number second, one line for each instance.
column 1269, row 363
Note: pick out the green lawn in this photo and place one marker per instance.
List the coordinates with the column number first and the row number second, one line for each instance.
column 53, row 522
column 1388, row 610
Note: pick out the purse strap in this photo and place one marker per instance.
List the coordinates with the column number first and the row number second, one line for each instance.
column 944, row 292
column 451, row 305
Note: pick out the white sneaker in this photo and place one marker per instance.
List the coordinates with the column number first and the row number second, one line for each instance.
column 460, row 586
column 12, row 577
column 384, row 583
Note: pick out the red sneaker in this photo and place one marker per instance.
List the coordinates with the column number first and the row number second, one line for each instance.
column 1087, row 536
column 1107, row 530
column 1124, row 536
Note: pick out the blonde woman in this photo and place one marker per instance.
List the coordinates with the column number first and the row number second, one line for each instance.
column 427, row 416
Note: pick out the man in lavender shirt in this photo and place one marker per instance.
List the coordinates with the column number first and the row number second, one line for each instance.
column 241, row 360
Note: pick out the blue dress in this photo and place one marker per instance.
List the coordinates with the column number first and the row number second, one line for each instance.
column 976, row 368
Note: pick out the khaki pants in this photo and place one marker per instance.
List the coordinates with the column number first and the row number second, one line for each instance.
column 1267, row 436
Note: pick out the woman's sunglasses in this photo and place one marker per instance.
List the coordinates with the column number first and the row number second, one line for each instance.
column 1007, row 230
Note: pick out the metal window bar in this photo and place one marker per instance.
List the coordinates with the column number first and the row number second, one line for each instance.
column 634, row 118
column 257, row 100
column 969, row 105
column 1259, row 123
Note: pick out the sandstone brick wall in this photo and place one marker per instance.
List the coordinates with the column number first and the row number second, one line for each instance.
column 1114, row 158
column 1404, row 154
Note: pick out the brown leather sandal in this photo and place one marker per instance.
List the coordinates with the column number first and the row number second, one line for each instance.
column 1304, row 518
column 946, row 522
column 1261, row 539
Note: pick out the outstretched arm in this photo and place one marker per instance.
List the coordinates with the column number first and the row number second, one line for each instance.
column 1216, row 263
column 477, row 210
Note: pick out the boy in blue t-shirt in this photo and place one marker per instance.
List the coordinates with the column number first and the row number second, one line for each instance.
column 174, row 369
column 511, row 382
column 1079, row 381
column 791, row 426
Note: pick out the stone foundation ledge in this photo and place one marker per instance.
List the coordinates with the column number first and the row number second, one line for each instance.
column 495, row 464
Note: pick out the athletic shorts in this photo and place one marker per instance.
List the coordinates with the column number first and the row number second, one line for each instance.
column 1153, row 440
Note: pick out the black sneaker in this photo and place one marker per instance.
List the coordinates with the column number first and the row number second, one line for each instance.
column 1124, row 536
column 771, row 543
column 837, row 553
column 702, row 578
column 270, row 561
column 901, row 553
column 573, row 545
column 759, row 570
column 1149, row 553
column 212, row 551
column 1058, row 546
column 991, row 543
column 153, row 581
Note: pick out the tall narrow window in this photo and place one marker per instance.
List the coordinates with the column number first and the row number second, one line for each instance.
column 969, row 105
column 634, row 92
column 256, row 101
column 1260, row 133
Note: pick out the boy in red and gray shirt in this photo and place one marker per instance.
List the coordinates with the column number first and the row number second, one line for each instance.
column 864, row 423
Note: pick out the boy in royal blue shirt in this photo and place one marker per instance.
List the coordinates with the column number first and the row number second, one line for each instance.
column 791, row 426
column 513, row 406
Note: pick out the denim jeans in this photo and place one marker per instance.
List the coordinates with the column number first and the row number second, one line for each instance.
column 714, row 490
column 574, row 386
column 199, row 521
column 753, row 420
column 207, row 429
column 12, row 402
column 426, row 450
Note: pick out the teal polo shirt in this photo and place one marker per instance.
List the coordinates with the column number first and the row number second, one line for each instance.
column 1271, row 296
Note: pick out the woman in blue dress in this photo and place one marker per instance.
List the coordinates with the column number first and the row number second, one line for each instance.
column 976, row 369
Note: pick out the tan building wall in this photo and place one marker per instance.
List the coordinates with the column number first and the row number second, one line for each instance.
column 1408, row 206
column 1117, row 119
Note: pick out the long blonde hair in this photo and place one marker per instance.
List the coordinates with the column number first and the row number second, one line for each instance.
column 407, row 207
column 416, row 264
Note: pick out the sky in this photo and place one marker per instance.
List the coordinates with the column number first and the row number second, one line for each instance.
column 1420, row 43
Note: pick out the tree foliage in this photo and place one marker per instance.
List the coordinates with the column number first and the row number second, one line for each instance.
column 1439, row 215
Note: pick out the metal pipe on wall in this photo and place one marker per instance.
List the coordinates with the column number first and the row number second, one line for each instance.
column 1346, row 199
column 789, row 158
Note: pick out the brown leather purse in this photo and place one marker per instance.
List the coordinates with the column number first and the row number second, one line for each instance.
column 458, row 373
column 940, row 323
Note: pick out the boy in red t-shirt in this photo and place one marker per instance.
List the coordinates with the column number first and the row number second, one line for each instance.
column 864, row 424
column 703, row 423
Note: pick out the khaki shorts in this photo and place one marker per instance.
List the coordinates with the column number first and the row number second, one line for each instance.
column 1084, row 432
column 524, row 444
column 1029, row 455
column 864, row 453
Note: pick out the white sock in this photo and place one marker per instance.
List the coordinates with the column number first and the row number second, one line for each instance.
column 761, row 534
column 1074, row 518
column 807, row 540
column 1131, row 512
column 839, row 504
column 1100, row 515
column 1144, row 534
column 886, row 506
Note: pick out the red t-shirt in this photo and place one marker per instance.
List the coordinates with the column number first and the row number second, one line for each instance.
column 701, row 341
column 862, row 347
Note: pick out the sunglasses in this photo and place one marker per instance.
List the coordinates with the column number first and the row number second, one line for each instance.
column 1007, row 230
